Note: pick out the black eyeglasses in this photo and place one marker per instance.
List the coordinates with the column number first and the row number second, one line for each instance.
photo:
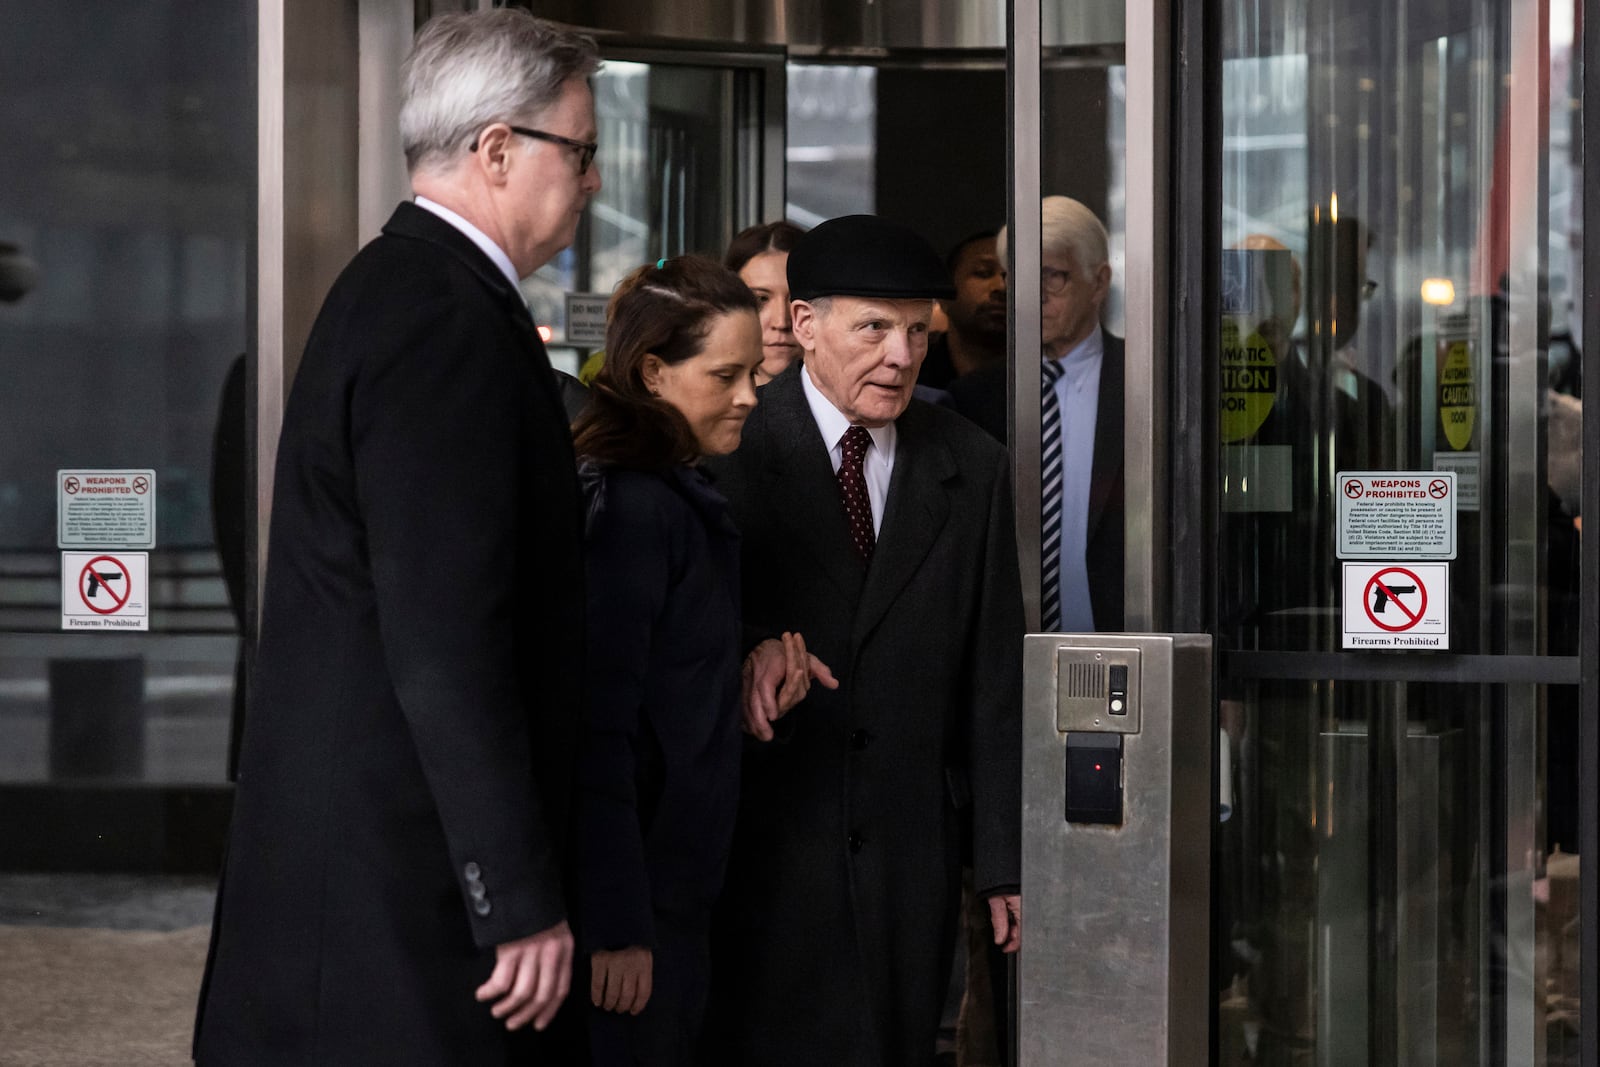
column 586, row 149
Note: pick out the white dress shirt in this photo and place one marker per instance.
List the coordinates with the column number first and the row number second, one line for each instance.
column 1078, row 394
column 478, row 237
column 878, row 466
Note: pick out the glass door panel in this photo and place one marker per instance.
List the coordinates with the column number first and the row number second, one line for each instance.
column 1397, row 209
column 127, row 223
column 685, row 161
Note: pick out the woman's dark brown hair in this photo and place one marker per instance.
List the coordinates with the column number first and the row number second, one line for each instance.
column 777, row 236
column 665, row 311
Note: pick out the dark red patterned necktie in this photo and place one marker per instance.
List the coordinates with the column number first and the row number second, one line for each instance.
column 853, row 490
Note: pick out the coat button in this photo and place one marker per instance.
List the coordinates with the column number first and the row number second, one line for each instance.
column 860, row 739
column 472, row 872
column 477, row 891
column 482, row 907
column 856, row 841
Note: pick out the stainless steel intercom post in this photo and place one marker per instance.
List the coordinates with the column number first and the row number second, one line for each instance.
column 1118, row 800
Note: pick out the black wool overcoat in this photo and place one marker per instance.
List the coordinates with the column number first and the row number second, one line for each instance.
column 405, row 770
column 837, row 926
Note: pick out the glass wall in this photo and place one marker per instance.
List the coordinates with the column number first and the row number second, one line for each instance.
column 680, row 164
column 1397, row 214
column 832, row 144
column 127, row 215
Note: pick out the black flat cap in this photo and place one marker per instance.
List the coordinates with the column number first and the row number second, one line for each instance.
column 864, row 255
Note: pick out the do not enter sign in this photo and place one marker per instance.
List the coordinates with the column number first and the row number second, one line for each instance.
column 1397, row 605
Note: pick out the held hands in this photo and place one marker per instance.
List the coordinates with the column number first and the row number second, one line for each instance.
column 777, row 676
column 530, row 978
column 1005, row 913
column 620, row 980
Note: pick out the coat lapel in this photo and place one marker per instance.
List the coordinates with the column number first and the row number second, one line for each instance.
column 801, row 486
column 914, row 515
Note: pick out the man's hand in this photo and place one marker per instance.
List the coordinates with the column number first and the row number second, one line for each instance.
column 777, row 676
column 530, row 978
column 1005, row 913
column 620, row 980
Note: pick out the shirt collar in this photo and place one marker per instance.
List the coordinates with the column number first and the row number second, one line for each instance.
column 831, row 422
column 478, row 237
column 1087, row 351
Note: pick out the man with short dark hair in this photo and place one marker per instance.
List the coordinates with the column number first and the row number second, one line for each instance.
column 393, row 892
column 976, row 314
column 893, row 520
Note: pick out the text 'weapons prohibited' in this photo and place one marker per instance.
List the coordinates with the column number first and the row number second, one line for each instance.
column 1397, row 515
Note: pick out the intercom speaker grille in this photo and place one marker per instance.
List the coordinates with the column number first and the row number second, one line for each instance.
column 1085, row 681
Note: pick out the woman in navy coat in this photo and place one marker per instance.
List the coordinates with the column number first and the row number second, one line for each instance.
column 659, row 773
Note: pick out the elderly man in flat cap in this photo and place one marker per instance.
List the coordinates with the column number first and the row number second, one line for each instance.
column 894, row 521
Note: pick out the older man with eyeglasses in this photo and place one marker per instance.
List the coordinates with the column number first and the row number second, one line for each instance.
column 1081, row 403
column 393, row 891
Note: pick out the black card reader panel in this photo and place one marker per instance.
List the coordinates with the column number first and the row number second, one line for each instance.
column 1094, row 778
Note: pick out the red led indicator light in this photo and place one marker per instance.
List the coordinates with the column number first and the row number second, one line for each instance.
column 1097, row 766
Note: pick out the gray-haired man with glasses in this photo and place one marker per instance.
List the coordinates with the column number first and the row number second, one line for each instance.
column 1081, row 403
column 393, row 891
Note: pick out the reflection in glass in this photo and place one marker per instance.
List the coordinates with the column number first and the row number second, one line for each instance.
column 127, row 205
column 832, row 141
column 1398, row 885
column 669, row 142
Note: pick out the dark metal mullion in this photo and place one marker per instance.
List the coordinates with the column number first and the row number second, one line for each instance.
column 1386, row 734
column 1417, row 667
column 1194, row 326
column 1589, row 572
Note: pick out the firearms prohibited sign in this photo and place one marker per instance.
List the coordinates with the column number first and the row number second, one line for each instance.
column 1397, row 605
column 105, row 590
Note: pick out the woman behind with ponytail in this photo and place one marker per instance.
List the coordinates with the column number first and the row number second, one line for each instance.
column 659, row 777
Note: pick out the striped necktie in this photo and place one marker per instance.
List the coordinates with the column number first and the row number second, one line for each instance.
column 1050, row 498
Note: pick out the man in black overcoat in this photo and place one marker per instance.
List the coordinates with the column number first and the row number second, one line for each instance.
column 392, row 892
column 881, row 529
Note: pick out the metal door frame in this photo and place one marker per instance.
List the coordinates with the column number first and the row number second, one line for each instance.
column 1148, row 61
column 1589, row 688
column 1174, row 102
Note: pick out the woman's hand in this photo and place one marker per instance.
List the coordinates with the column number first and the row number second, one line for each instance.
column 620, row 981
column 777, row 675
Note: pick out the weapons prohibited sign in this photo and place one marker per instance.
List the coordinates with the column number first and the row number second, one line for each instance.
column 1397, row 605
column 106, row 509
column 105, row 591
column 1397, row 514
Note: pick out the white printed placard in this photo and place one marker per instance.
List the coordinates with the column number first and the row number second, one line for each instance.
column 106, row 508
column 586, row 318
column 1397, row 605
column 105, row 590
column 1396, row 514
column 1468, row 469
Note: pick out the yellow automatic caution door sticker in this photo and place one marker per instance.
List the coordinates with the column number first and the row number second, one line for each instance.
column 1249, row 383
column 1458, row 395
